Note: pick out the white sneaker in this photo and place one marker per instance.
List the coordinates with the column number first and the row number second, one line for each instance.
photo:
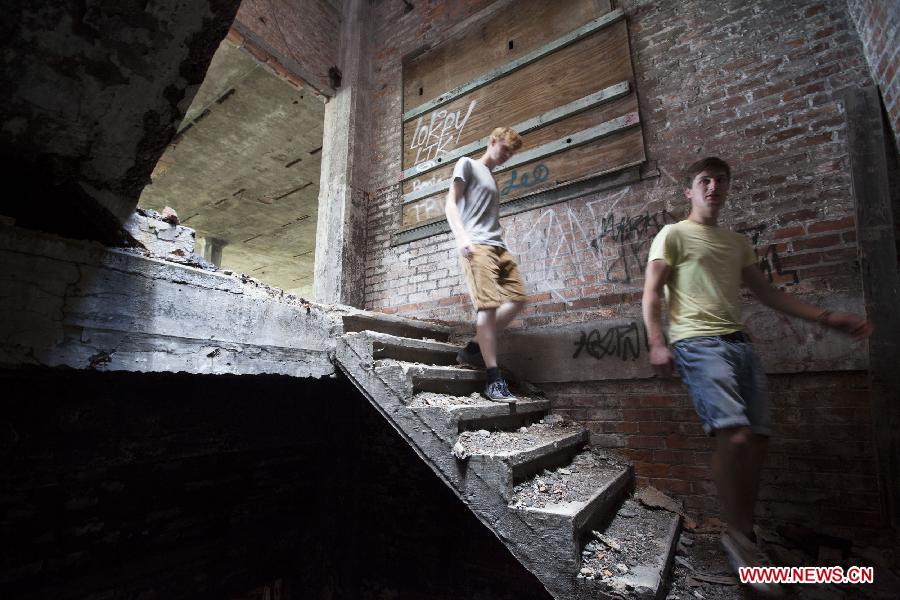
column 741, row 552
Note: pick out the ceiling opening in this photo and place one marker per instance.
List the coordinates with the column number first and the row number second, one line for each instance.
column 243, row 171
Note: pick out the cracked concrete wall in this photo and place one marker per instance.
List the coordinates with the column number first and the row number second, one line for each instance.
column 80, row 305
column 92, row 92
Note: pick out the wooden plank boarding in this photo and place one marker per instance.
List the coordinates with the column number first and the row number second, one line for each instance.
column 570, row 96
column 607, row 94
column 525, row 26
column 607, row 155
column 543, row 135
column 525, row 94
column 571, row 140
column 622, row 176
column 519, row 63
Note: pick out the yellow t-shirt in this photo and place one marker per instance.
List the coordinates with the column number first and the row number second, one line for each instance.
column 703, row 290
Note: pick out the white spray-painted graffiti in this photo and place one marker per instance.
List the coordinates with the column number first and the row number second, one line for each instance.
column 429, row 208
column 419, row 184
column 611, row 245
column 440, row 134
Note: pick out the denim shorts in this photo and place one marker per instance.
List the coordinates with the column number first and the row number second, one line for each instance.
column 726, row 381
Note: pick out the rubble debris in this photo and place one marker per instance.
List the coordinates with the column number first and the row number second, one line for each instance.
column 507, row 442
column 589, row 471
column 704, row 570
column 170, row 216
column 627, row 547
column 653, row 498
column 460, row 451
column 719, row 579
column 710, row 525
column 431, row 399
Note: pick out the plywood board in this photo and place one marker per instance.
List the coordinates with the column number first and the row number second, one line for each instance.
column 606, row 155
column 528, row 24
column 538, row 137
column 559, row 78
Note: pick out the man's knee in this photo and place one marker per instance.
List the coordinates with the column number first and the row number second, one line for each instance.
column 515, row 305
column 734, row 438
column 486, row 315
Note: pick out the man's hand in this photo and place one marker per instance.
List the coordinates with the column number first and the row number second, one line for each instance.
column 853, row 325
column 662, row 361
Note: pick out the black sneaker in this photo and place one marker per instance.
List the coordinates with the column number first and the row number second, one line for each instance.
column 498, row 391
column 470, row 359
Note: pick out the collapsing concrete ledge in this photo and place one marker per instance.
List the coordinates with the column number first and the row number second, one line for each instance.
column 81, row 305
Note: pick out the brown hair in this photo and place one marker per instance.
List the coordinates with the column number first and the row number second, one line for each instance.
column 710, row 163
column 507, row 135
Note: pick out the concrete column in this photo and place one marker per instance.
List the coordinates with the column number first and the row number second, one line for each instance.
column 339, row 274
column 211, row 249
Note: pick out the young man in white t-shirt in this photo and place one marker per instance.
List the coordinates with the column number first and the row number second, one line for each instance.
column 473, row 211
column 701, row 268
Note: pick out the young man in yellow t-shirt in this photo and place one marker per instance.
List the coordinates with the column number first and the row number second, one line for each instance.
column 701, row 268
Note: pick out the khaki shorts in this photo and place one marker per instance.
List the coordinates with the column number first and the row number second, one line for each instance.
column 492, row 276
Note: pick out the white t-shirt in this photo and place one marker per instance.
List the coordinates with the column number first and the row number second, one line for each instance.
column 479, row 208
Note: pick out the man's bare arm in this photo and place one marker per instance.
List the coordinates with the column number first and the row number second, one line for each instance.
column 451, row 209
column 853, row 325
column 651, row 306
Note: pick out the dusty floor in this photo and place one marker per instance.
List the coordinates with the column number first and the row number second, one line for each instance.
column 700, row 557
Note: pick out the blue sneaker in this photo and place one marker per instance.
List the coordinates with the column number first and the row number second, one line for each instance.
column 498, row 391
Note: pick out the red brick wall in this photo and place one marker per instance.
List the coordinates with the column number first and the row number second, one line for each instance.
column 759, row 84
column 710, row 82
column 820, row 469
column 878, row 24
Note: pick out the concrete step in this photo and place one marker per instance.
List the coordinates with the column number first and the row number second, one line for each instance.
column 393, row 325
column 577, row 497
column 473, row 412
column 448, row 416
column 503, row 459
column 408, row 379
column 427, row 352
column 632, row 557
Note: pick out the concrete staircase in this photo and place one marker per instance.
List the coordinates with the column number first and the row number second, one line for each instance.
column 560, row 507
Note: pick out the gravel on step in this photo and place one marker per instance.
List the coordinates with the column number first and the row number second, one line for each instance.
column 509, row 442
column 426, row 399
column 576, row 482
column 628, row 542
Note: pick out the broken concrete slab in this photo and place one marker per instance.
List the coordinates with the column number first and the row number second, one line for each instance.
column 158, row 236
column 77, row 304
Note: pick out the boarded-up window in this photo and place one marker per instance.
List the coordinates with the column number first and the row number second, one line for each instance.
column 558, row 72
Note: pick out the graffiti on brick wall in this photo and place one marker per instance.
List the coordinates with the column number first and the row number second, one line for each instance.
column 768, row 259
column 624, row 242
column 560, row 232
column 439, row 135
column 539, row 174
column 624, row 342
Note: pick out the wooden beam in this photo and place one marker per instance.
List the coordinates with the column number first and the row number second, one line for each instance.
column 576, row 139
column 604, row 181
